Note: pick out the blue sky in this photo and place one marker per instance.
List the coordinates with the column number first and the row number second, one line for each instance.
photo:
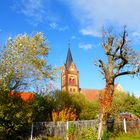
column 79, row 21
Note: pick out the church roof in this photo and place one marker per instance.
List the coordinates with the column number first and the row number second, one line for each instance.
column 69, row 59
column 90, row 94
column 93, row 94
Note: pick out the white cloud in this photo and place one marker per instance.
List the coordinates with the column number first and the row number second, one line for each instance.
column 135, row 34
column 97, row 13
column 90, row 31
column 73, row 37
column 32, row 9
column 135, row 38
column 35, row 11
column 53, row 25
column 85, row 46
column 63, row 28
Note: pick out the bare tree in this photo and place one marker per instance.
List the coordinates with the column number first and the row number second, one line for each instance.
column 121, row 60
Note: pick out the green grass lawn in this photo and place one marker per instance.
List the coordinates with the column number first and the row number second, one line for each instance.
column 135, row 136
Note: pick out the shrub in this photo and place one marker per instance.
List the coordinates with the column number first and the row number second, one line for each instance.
column 87, row 134
column 71, row 132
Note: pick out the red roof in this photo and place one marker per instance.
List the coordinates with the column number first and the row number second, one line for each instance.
column 93, row 94
column 90, row 94
column 25, row 96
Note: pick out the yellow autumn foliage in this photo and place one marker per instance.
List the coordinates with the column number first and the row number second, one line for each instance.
column 66, row 114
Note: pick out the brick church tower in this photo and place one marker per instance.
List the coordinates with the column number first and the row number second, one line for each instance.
column 70, row 75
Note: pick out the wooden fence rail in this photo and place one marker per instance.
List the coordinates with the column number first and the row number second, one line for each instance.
column 59, row 129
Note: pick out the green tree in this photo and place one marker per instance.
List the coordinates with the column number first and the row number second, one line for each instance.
column 125, row 102
column 89, row 111
column 77, row 103
column 15, row 115
column 64, row 100
column 23, row 61
column 42, row 108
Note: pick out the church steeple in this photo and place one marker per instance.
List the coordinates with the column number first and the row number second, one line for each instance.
column 69, row 59
column 70, row 75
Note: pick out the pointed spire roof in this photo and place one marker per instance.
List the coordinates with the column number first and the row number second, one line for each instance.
column 69, row 59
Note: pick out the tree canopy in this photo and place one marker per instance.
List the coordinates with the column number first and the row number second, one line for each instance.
column 23, row 64
column 24, row 60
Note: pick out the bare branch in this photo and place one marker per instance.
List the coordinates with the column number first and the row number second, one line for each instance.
column 116, row 49
column 123, row 41
column 128, row 72
column 122, row 63
column 103, row 66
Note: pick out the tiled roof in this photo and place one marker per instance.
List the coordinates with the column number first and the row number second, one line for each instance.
column 25, row 96
column 93, row 94
column 90, row 94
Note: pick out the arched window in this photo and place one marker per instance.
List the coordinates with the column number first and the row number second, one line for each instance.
column 72, row 81
column 74, row 90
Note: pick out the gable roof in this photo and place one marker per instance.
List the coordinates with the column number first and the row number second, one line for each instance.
column 119, row 87
column 93, row 94
column 69, row 59
column 25, row 96
column 90, row 94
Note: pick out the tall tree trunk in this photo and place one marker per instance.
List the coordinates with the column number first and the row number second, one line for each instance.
column 106, row 103
column 108, row 95
column 100, row 129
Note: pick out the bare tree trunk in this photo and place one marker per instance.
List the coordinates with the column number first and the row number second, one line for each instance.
column 106, row 103
column 100, row 129
column 108, row 95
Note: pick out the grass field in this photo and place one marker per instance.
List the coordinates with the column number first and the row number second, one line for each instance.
column 129, row 136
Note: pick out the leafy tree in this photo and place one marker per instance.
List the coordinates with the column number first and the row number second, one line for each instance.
column 86, row 107
column 15, row 115
column 73, row 106
column 24, row 60
column 121, row 60
column 23, row 63
column 62, row 100
column 125, row 102
column 89, row 111
column 42, row 108
column 66, row 102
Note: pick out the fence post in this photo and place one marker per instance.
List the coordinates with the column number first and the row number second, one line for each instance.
column 67, row 127
column 31, row 131
column 124, row 125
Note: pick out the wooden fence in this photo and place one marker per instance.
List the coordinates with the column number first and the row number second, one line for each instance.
column 59, row 129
